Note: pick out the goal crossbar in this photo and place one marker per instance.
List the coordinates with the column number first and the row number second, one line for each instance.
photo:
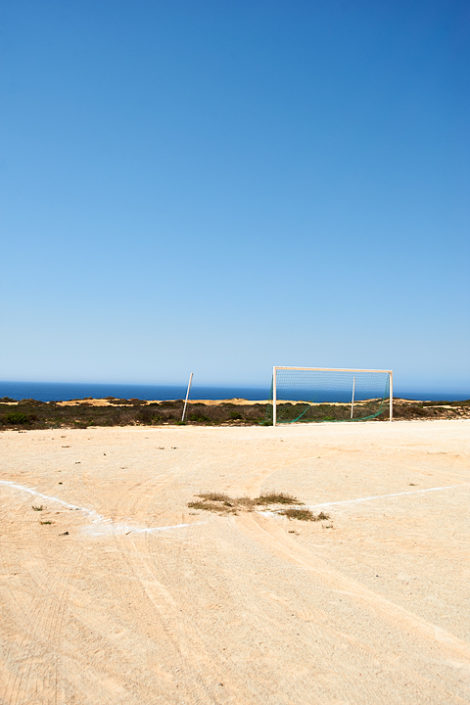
column 329, row 369
column 350, row 370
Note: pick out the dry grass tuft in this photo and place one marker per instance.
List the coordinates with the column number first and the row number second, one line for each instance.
column 277, row 498
column 322, row 516
column 223, row 504
column 303, row 514
column 214, row 497
column 246, row 502
column 208, row 506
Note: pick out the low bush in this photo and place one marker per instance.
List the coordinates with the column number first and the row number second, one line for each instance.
column 17, row 418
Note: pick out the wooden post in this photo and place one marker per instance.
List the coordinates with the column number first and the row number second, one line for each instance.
column 274, row 397
column 352, row 399
column 187, row 396
column 391, row 396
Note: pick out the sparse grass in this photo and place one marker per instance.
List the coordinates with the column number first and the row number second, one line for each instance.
column 223, row 504
column 322, row 516
column 46, row 521
column 215, row 497
column 277, row 498
column 246, row 502
column 38, row 507
column 301, row 514
column 209, row 506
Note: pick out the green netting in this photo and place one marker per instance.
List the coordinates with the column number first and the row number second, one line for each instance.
column 308, row 396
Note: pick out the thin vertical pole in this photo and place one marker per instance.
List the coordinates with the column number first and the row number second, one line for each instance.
column 274, row 397
column 391, row 396
column 352, row 399
column 187, row 396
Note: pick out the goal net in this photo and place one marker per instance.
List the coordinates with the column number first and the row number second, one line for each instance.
column 309, row 394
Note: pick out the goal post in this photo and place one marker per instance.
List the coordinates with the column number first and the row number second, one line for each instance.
column 312, row 394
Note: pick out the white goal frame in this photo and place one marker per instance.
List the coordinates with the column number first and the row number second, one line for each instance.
column 327, row 369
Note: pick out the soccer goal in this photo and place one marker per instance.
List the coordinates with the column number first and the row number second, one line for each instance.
column 309, row 394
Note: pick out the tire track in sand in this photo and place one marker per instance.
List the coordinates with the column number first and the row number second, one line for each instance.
column 273, row 536
column 156, row 616
column 151, row 573
column 35, row 676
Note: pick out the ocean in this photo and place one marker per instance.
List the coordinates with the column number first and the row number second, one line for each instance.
column 61, row 391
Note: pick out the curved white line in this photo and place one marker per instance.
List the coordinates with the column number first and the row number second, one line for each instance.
column 107, row 525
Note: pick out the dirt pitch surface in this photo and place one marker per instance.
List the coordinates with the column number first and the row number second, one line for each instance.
column 114, row 592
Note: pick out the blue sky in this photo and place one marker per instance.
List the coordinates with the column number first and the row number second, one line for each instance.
column 224, row 186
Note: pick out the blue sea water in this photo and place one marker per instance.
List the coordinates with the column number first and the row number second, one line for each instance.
column 61, row 391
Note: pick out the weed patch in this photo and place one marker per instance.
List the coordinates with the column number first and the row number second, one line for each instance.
column 277, row 498
column 208, row 506
column 322, row 516
column 223, row 504
column 303, row 514
column 214, row 497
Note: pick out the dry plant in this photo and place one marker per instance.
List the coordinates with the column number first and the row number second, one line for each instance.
column 222, row 503
column 303, row 514
column 277, row 498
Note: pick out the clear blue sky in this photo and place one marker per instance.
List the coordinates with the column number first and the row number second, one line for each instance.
column 220, row 186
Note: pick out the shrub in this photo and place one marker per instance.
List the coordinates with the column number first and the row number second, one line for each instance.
column 17, row 418
column 199, row 418
column 145, row 416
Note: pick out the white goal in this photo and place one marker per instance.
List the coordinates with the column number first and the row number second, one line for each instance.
column 310, row 394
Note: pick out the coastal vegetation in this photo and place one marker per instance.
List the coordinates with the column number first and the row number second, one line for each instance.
column 33, row 414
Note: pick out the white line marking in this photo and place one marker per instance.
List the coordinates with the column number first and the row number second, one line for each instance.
column 105, row 526
column 49, row 498
column 385, row 496
column 277, row 512
column 108, row 527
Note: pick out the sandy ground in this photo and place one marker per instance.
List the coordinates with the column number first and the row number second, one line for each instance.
column 369, row 607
